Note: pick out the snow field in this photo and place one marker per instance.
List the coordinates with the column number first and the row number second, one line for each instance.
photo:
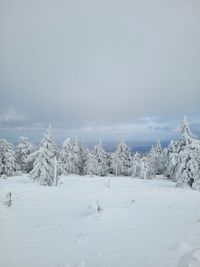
column 143, row 223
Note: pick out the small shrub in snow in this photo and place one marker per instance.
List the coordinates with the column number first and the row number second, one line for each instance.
column 109, row 182
column 8, row 200
column 99, row 208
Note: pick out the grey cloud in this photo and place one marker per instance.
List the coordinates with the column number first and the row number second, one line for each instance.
column 80, row 63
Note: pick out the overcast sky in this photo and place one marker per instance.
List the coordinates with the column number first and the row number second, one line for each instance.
column 99, row 68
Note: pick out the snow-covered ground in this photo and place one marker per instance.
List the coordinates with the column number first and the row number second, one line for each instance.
column 143, row 223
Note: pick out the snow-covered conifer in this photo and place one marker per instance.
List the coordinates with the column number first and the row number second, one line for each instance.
column 145, row 168
column 98, row 161
column 170, row 159
column 121, row 160
column 8, row 163
column 187, row 170
column 78, row 157
column 141, row 167
column 156, row 159
column 136, row 165
column 44, row 164
column 66, row 157
column 23, row 150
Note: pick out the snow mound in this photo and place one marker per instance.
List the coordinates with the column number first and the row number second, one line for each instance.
column 191, row 259
column 183, row 248
column 81, row 264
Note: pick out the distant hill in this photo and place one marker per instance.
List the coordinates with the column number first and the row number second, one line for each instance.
column 141, row 147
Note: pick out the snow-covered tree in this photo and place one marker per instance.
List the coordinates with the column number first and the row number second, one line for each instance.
column 97, row 162
column 156, row 159
column 196, row 183
column 170, row 159
column 121, row 160
column 66, row 157
column 141, row 167
column 23, row 150
column 145, row 169
column 78, row 157
column 44, row 164
column 136, row 165
column 8, row 163
column 187, row 171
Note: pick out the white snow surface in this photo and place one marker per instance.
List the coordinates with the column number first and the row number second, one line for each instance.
column 141, row 223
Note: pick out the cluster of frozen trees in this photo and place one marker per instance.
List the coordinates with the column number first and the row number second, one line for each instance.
column 8, row 164
column 180, row 161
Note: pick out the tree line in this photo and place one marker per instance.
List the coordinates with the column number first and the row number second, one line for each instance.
column 180, row 161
